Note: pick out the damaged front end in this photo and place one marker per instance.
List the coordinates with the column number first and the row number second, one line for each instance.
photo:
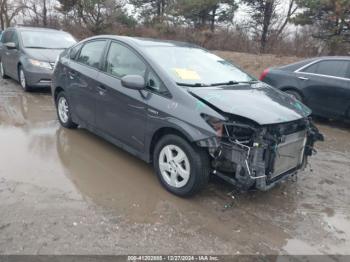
column 249, row 155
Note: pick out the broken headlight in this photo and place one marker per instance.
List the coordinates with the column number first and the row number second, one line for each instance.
column 215, row 123
column 239, row 132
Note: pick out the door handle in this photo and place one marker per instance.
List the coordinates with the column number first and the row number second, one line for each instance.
column 72, row 74
column 101, row 89
column 303, row 78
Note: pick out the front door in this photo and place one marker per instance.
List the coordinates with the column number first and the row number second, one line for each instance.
column 13, row 56
column 9, row 54
column 122, row 112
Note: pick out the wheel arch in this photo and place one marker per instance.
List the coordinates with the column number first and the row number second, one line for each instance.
column 19, row 64
column 56, row 92
column 163, row 131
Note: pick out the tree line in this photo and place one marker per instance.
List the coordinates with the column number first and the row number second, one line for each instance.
column 298, row 27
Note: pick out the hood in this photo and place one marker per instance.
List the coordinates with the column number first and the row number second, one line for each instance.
column 258, row 102
column 47, row 55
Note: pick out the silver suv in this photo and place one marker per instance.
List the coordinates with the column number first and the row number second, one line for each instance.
column 28, row 54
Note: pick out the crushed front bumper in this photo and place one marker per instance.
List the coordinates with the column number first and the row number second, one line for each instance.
column 272, row 155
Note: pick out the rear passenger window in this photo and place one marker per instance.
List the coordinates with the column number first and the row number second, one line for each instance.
column 91, row 53
column 338, row 68
column 121, row 61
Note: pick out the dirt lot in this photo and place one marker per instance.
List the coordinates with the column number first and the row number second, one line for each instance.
column 69, row 192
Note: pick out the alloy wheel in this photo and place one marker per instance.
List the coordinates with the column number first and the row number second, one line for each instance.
column 63, row 110
column 174, row 166
column 22, row 79
column 1, row 69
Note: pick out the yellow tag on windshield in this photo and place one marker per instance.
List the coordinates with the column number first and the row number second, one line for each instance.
column 187, row 74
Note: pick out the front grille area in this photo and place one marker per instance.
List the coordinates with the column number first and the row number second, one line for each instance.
column 289, row 153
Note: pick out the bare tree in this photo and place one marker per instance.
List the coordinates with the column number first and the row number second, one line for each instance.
column 267, row 19
column 39, row 11
column 9, row 9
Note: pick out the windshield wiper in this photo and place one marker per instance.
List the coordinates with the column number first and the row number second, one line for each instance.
column 191, row 85
column 41, row 47
column 250, row 82
column 36, row 47
column 229, row 83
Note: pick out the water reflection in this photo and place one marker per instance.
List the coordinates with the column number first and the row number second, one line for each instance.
column 36, row 150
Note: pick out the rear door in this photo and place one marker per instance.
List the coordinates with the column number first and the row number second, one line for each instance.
column 326, row 86
column 82, row 75
column 121, row 112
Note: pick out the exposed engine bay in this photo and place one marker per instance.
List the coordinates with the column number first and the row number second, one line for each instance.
column 248, row 155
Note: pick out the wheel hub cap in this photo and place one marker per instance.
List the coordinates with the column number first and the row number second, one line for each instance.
column 22, row 79
column 63, row 109
column 174, row 166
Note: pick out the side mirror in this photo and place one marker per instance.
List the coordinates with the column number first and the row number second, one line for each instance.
column 134, row 82
column 11, row 45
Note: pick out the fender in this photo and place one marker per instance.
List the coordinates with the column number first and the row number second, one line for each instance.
column 190, row 132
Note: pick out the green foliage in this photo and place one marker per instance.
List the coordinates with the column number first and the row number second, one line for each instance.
column 96, row 15
column 207, row 13
column 331, row 20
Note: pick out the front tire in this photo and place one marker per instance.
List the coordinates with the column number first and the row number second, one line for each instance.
column 64, row 112
column 182, row 168
column 2, row 71
column 22, row 79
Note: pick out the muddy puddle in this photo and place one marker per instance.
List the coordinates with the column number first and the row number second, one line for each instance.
column 308, row 216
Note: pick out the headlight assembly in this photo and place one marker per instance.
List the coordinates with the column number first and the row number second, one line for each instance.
column 40, row 64
column 215, row 123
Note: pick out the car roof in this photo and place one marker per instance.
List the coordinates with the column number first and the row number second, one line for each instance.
column 297, row 65
column 32, row 28
column 147, row 42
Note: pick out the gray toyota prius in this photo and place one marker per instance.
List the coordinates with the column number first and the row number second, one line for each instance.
column 28, row 54
column 189, row 112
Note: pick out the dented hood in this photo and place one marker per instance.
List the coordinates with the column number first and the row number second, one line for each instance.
column 258, row 102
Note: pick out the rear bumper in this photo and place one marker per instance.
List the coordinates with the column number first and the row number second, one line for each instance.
column 38, row 77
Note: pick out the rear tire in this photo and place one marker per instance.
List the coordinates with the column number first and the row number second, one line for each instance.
column 22, row 79
column 182, row 168
column 63, row 111
column 2, row 71
column 294, row 94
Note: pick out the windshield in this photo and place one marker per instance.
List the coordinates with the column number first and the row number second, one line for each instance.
column 47, row 39
column 196, row 67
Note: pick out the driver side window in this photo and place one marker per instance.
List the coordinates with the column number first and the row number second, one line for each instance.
column 121, row 61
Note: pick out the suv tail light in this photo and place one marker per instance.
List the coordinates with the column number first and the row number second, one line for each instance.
column 264, row 74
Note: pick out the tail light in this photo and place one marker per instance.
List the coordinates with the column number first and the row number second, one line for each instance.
column 264, row 74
